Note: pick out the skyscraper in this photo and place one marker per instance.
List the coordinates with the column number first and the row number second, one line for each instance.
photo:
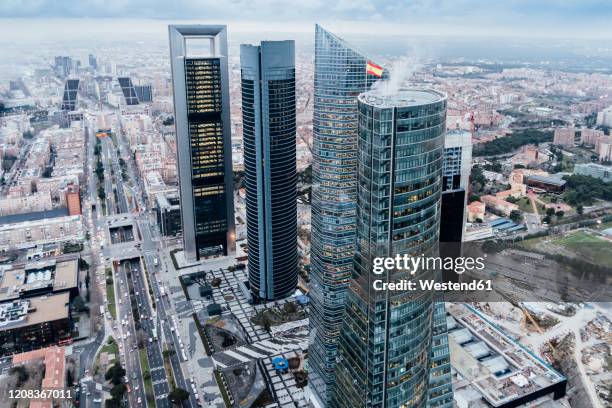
column 203, row 135
column 341, row 74
column 129, row 93
column 455, row 180
column 268, row 111
column 71, row 92
column 386, row 338
column 144, row 93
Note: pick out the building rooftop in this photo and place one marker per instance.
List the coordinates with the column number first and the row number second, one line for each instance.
column 55, row 365
column 499, row 368
column 33, row 216
column 36, row 276
column 382, row 98
column 31, row 311
column 547, row 179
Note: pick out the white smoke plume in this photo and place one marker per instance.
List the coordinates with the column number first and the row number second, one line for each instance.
column 401, row 72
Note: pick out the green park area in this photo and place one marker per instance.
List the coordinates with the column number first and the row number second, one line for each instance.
column 146, row 376
column 587, row 245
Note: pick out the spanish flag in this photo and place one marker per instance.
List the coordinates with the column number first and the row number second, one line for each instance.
column 374, row 69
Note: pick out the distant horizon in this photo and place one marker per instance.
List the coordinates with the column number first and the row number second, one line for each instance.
column 14, row 26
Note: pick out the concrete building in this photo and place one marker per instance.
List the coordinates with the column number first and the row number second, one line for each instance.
column 268, row 111
column 550, row 184
column 599, row 171
column 494, row 370
column 73, row 200
column 603, row 147
column 498, row 205
column 476, row 211
column 54, row 361
column 590, row 136
column 202, row 120
column 32, row 229
column 378, row 368
column 604, row 118
column 564, row 137
column 168, row 212
column 39, row 278
column 32, row 323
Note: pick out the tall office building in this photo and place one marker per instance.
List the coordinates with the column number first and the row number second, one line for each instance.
column 71, row 92
column 144, row 93
column 129, row 93
column 341, row 74
column 93, row 62
column 203, row 135
column 386, row 338
column 455, row 181
column 268, row 112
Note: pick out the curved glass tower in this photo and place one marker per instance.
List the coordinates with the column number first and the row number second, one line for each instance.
column 340, row 76
column 386, row 339
column 268, row 110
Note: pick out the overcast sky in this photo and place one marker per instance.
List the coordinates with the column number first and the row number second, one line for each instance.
column 521, row 18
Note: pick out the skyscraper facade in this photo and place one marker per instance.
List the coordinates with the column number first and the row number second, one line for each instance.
column 269, row 131
column 203, row 135
column 144, row 93
column 455, row 180
column 341, row 74
column 386, row 338
column 129, row 92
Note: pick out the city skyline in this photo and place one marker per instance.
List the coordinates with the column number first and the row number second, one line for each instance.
column 216, row 215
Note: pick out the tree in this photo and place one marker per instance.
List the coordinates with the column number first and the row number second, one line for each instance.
column 101, row 193
column 560, row 214
column 580, row 209
column 169, row 352
column 550, row 211
column 178, row 395
column 516, row 215
column 115, row 373
column 83, row 265
column 512, row 200
column 21, row 373
column 117, row 391
column 112, row 403
column 78, row 304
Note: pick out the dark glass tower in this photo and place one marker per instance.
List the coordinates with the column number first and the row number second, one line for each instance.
column 129, row 92
column 340, row 76
column 268, row 111
column 386, row 339
column 71, row 91
column 202, row 120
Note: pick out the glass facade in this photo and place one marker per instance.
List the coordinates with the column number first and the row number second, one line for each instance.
column 203, row 136
column 203, row 79
column 269, row 123
column 385, row 348
column 340, row 76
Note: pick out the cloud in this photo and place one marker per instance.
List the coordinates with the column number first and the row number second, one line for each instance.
column 488, row 16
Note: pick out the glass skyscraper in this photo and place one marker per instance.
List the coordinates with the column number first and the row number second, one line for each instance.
column 203, row 138
column 340, row 76
column 269, row 123
column 385, row 344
